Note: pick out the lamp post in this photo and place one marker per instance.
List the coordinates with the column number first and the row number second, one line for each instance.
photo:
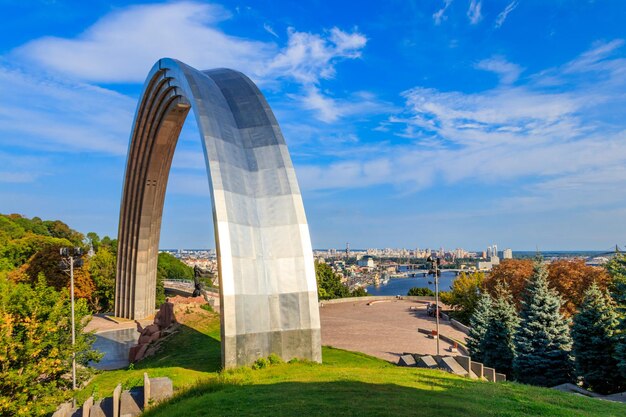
column 68, row 261
column 434, row 270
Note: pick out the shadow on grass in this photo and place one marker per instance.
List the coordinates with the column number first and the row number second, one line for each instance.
column 187, row 348
column 356, row 398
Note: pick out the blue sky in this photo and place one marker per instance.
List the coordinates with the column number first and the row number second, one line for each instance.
column 455, row 123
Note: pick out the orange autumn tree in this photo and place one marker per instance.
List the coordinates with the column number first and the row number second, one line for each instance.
column 513, row 273
column 47, row 261
column 569, row 277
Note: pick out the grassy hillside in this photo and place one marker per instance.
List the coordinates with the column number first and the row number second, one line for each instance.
column 347, row 383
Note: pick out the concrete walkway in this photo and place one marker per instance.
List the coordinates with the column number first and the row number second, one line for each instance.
column 114, row 338
column 383, row 329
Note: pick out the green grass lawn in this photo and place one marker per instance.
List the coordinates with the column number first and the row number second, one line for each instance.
column 346, row 384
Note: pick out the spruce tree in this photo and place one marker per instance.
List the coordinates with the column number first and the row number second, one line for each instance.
column 497, row 345
column 595, row 344
column 478, row 326
column 617, row 270
column 542, row 342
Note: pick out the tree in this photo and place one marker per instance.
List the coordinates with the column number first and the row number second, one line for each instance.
column 420, row 292
column 60, row 230
column 514, row 273
column 479, row 321
column 542, row 342
column 94, row 240
column 595, row 343
column 18, row 251
column 174, row 268
column 36, row 348
column 358, row 292
column 48, row 262
column 464, row 294
column 111, row 244
column 571, row 278
column 617, row 287
column 102, row 267
column 328, row 283
column 497, row 347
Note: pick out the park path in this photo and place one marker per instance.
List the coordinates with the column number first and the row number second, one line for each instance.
column 382, row 329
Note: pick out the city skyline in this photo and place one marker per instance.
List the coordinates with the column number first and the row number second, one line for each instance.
column 408, row 124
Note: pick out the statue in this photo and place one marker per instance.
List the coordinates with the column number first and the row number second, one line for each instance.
column 197, row 273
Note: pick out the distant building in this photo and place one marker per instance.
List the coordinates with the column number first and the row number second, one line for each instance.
column 366, row 261
column 483, row 266
column 507, row 254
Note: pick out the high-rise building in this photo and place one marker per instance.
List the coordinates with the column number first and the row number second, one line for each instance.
column 507, row 254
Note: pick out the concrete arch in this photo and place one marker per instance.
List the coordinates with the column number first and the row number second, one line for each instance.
column 266, row 272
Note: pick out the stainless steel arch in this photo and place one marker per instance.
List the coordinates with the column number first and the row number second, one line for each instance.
column 267, row 277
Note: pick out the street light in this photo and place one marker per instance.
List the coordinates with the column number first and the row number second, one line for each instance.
column 68, row 261
column 436, row 272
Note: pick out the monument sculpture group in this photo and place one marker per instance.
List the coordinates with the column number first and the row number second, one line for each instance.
column 268, row 292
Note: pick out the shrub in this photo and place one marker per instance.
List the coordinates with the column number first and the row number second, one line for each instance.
column 420, row 292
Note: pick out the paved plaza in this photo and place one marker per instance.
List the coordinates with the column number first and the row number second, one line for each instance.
column 383, row 329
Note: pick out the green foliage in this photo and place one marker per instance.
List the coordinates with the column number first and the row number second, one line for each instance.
column 169, row 267
column 160, row 287
column 464, row 295
column 94, row 240
column 48, row 262
column 359, row 292
column 109, row 243
column 36, row 348
column 543, row 342
column 420, row 292
column 102, row 267
column 174, row 268
column 479, row 321
column 345, row 384
column 261, row 363
column 498, row 349
column 617, row 270
column 329, row 285
column 595, row 344
column 275, row 359
column 60, row 230
column 207, row 307
column 18, row 251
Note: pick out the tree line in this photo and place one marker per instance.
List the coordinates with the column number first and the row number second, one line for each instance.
column 35, row 332
column 538, row 332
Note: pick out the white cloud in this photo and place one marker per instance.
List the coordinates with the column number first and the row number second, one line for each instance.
column 308, row 57
column 505, row 13
column 44, row 113
column 122, row 46
column 49, row 81
column 270, row 30
column 474, row 11
column 553, row 141
column 21, row 168
column 507, row 71
column 329, row 110
column 440, row 15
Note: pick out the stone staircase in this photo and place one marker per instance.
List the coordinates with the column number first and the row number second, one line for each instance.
column 458, row 365
column 123, row 403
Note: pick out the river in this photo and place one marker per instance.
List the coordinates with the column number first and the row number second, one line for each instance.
column 400, row 286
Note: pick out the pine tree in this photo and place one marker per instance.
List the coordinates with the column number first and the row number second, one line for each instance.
column 617, row 270
column 497, row 345
column 542, row 342
column 593, row 333
column 478, row 326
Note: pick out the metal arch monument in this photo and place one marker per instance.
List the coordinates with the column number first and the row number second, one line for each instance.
column 268, row 297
